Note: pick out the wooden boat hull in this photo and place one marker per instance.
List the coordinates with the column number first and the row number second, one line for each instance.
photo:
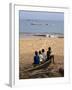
column 40, row 66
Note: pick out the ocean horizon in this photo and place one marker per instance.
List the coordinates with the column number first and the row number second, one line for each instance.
column 41, row 26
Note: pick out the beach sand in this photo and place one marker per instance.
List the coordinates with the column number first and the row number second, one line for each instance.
column 27, row 47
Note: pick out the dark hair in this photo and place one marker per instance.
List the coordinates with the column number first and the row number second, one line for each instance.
column 49, row 48
column 43, row 50
column 36, row 53
column 39, row 52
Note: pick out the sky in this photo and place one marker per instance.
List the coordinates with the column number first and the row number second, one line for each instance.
column 34, row 15
column 41, row 21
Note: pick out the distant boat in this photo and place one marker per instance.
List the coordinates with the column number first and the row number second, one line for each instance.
column 46, row 24
column 37, row 24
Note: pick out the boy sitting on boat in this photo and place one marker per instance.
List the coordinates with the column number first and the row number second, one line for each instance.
column 44, row 55
column 36, row 58
column 50, row 54
column 41, row 57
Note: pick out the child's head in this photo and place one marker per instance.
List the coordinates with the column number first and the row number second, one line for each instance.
column 43, row 50
column 49, row 48
column 36, row 53
column 39, row 52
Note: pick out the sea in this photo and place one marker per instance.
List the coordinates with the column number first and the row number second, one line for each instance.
column 28, row 28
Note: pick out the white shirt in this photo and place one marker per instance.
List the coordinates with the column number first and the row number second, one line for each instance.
column 41, row 57
column 44, row 56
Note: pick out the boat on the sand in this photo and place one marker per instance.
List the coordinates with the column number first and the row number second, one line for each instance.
column 39, row 66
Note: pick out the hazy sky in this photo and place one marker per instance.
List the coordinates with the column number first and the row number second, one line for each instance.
column 40, row 15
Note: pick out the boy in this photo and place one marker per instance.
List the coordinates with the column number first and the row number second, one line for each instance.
column 50, row 55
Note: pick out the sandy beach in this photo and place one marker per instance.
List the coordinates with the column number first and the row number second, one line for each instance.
column 27, row 47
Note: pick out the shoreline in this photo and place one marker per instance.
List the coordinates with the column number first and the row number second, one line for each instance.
column 38, row 37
